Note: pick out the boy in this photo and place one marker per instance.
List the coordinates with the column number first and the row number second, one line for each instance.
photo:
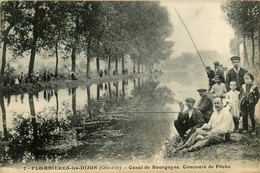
column 249, row 96
column 219, row 88
column 233, row 99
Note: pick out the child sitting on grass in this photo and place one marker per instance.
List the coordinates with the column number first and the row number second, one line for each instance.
column 249, row 96
column 219, row 88
column 232, row 97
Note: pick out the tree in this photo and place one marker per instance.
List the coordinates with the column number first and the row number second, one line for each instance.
column 10, row 13
column 243, row 16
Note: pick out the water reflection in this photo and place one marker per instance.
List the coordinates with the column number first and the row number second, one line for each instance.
column 2, row 104
column 76, row 125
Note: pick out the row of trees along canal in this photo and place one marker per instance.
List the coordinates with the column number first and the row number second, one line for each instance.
column 244, row 17
column 101, row 30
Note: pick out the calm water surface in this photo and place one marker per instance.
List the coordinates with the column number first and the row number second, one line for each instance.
column 90, row 122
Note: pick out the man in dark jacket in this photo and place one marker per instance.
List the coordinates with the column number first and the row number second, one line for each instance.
column 211, row 75
column 236, row 73
column 205, row 105
column 188, row 121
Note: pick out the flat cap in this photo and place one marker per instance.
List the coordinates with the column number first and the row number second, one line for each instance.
column 190, row 100
column 216, row 63
column 201, row 90
column 235, row 58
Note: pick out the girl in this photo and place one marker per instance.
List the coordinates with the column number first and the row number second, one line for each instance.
column 219, row 88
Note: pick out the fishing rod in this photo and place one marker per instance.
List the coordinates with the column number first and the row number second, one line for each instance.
column 144, row 112
column 190, row 36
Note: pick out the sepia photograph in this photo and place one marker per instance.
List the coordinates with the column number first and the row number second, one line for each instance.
column 129, row 86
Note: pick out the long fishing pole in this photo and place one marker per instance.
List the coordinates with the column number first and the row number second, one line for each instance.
column 190, row 36
column 144, row 112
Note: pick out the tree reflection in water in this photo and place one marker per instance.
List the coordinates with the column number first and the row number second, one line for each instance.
column 91, row 132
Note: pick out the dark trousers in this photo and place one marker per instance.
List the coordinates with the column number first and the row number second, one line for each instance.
column 236, row 123
column 181, row 127
column 245, row 113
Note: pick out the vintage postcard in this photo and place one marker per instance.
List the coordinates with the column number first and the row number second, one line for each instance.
column 129, row 86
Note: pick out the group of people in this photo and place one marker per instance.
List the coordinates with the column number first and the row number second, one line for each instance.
column 232, row 96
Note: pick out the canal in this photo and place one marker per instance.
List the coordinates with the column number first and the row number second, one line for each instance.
column 99, row 122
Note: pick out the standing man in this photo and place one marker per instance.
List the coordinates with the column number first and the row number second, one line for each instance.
column 211, row 75
column 189, row 120
column 218, row 68
column 205, row 105
column 236, row 73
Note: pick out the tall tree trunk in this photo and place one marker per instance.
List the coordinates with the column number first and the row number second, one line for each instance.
column 98, row 91
column 134, row 65
column 3, row 62
column 57, row 60
column 89, row 102
column 57, row 104
column 88, row 61
column 73, row 59
column 253, row 48
column 33, row 45
column 123, row 65
column 138, row 65
column 116, row 90
column 109, row 90
column 116, row 65
column 74, row 49
column 97, row 64
column 246, row 61
column 35, row 141
column 142, row 68
column 123, row 89
column 31, row 104
column 109, row 65
column 74, row 104
column 2, row 105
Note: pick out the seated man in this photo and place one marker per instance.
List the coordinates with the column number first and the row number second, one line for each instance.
column 205, row 105
column 189, row 120
column 221, row 123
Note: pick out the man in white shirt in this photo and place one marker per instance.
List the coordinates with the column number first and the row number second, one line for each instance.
column 213, row 132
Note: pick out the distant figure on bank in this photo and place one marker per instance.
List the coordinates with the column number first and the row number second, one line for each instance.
column 211, row 75
column 205, row 105
column 213, row 132
column 249, row 96
column 73, row 75
column 105, row 71
column 16, row 81
column 232, row 98
column 236, row 73
column 22, row 79
column 48, row 76
column 218, row 68
column 37, row 77
column 219, row 88
column 100, row 73
column 45, row 76
column 188, row 121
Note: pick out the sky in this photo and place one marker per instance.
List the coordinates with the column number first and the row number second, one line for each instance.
column 206, row 24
